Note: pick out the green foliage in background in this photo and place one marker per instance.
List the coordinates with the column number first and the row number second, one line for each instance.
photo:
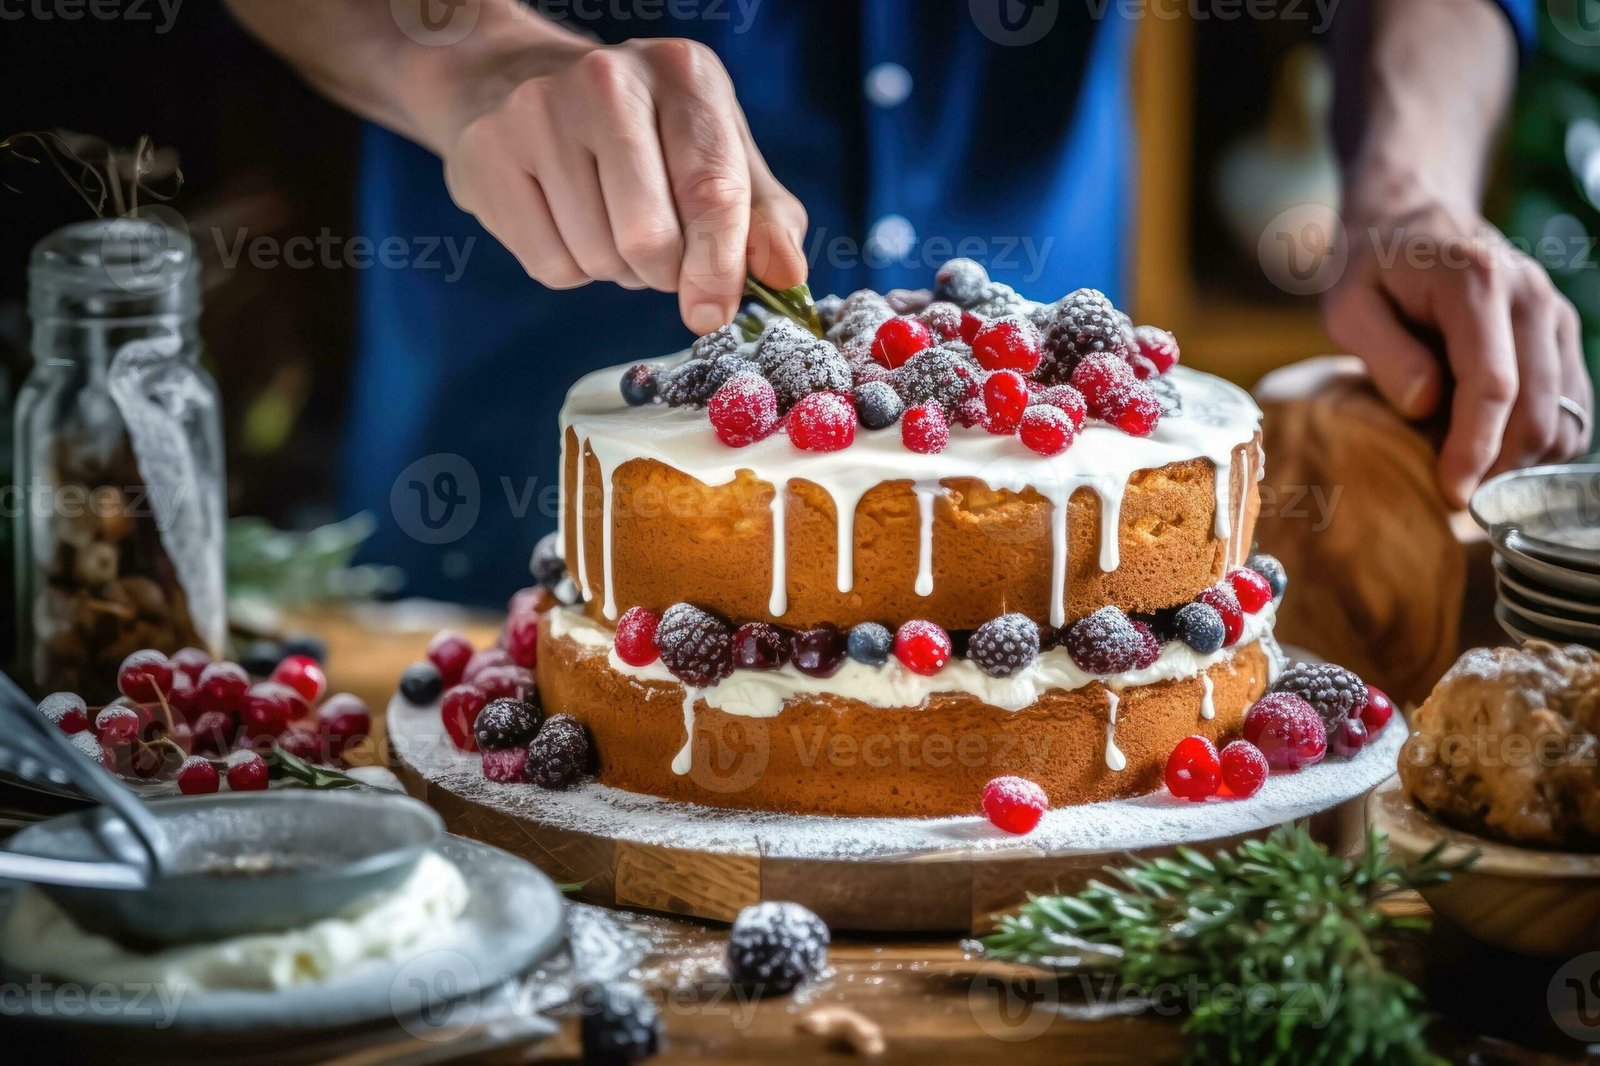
column 292, row 569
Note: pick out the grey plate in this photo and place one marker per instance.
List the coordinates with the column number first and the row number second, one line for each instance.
column 1525, row 629
column 1550, row 512
column 1556, row 623
column 1578, row 583
column 1542, row 596
column 514, row 919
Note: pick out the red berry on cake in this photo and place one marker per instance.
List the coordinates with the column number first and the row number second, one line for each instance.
column 1046, row 430
column 972, row 324
column 1103, row 379
column 1066, row 398
column 197, row 777
column 1136, row 411
column 943, row 319
column 1194, row 770
column 760, row 646
column 143, row 674
column 1377, row 711
column 695, row 645
column 505, row 682
column 744, row 410
column 899, row 339
column 459, row 710
column 449, row 652
column 1014, row 804
column 1226, row 604
column 1287, row 730
column 818, row 651
column 1250, row 588
column 1244, row 768
column 923, row 429
column 1005, row 398
column 923, row 647
column 635, row 639
column 1149, row 646
column 1009, row 343
column 247, row 772
column 1157, row 348
column 822, row 422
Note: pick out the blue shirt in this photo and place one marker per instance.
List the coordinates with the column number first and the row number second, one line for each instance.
column 912, row 131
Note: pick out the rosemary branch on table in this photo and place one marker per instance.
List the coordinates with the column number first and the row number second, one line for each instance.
column 1281, row 941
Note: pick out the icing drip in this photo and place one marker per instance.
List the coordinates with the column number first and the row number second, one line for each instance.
column 1208, row 709
column 778, row 603
column 1110, row 492
column 844, row 508
column 925, row 496
column 1115, row 760
column 685, row 757
column 1222, row 526
column 583, row 566
column 606, row 496
column 1058, row 558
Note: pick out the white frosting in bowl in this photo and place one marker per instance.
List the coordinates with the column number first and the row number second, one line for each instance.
column 38, row 937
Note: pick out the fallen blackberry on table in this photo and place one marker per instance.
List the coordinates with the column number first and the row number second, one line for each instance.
column 421, row 685
column 559, row 754
column 506, row 723
column 774, row 947
column 1333, row 692
column 618, row 1024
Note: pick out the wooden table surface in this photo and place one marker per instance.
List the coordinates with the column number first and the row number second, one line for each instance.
column 928, row 999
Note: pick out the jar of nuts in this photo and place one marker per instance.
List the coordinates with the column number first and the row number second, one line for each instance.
column 118, row 461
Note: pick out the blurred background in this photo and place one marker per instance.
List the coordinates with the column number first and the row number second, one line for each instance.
column 1235, row 158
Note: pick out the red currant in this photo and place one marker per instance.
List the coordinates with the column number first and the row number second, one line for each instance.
column 943, row 319
column 247, row 772
column 1009, row 343
column 223, row 687
column 1158, row 347
column 343, row 722
column 1102, row 378
column 1348, row 738
column 1135, row 411
column 1014, row 804
column 502, row 682
column 923, row 647
column 505, row 765
column 67, row 710
column 635, row 638
column 214, row 732
column 1250, row 588
column 143, row 674
column 1244, row 768
column 1005, row 398
column 190, row 661
column 197, row 777
column 1287, row 729
column 303, row 744
column 899, row 339
column 117, row 725
column 1193, row 769
column 487, row 659
column 303, row 674
column 972, row 324
column 449, row 652
column 522, row 639
column 184, row 699
column 535, row 599
column 1046, row 430
column 1221, row 598
column 269, row 708
column 1378, row 710
column 1067, row 399
column 923, row 429
column 459, row 710
column 744, row 410
column 822, row 422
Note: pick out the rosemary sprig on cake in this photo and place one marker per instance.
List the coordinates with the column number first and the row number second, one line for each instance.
column 795, row 303
column 1281, row 921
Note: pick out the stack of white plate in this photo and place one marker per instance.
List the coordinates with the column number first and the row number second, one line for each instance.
column 1545, row 525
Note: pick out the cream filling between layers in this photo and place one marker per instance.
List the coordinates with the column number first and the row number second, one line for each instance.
column 762, row 693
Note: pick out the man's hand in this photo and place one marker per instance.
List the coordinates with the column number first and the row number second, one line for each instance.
column 1435, row 298
column 631, row 163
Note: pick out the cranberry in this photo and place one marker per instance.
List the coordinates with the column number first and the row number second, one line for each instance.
column 535, row 599
column 214, row 732
column 1221, row 599
column 1148, row 649
column 505, row 682
column 1014, row 804
column 1135, row 412
column 459, row 710
column 635, row 639
column 269, row 708
column 922, row 646
column 1009, row 343
column 223, row 687
column 744, row 410
column 197, row 777
column 343, row 722
column 1250, row 588
column 971, row 325
column 303, row 744
column 899, row 339
column 1244, row 768
column 1158, row 347
column 1193, row 769
column 822, row 422
column 970, row 411
column 1348, row 737
column 67, row 710
column 1287, row 729
column 184, row 699
column 1046, row 430
column 760, row 646
column 1005, row 397
column 144, row 674
column 449, row 652
column 303, row 674
column 117, row 725
column 1067, row 399
column 923, row 429
column 247, row 772
column 522, row 639
column 819, row 651
column 190, row 661
column 487, row 659
column 1103, row 378
column 1377, row 711
column 943, row 319
column 506, row 765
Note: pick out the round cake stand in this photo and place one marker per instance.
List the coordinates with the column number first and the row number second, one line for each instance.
column 868, row 874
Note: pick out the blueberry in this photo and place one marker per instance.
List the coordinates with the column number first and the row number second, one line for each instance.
column 548, row 567
column 1200, row 626
column 421, row 685
column 307, row 644
column 877, row 405
column 1269, row 568
column 639, row 385
column 261, row 657
column 619, row 1024
column 870, row 643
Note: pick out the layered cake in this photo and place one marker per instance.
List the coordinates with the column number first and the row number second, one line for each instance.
column 958, row 536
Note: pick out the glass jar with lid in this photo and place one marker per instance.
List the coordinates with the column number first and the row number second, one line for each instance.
column 118, row 459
